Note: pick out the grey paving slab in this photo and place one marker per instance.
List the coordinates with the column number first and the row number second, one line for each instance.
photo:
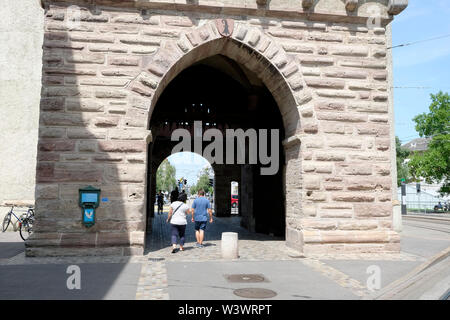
column 11, row 249
column 424, row 239
column 49, row 281
column 11, row 244
column 389, row 270
column 292, row 280
column 423, row 248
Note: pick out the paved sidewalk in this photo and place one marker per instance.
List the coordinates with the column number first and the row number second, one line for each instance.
column 200, row 273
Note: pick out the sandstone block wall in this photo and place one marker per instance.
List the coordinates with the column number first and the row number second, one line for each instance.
column 102, row 77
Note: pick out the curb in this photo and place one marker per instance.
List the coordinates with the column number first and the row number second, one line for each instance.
column 439, row 292
column 397, row 286
column 426, row 217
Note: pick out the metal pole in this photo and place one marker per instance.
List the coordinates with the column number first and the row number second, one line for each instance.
column 404, row 211
column 419, row 203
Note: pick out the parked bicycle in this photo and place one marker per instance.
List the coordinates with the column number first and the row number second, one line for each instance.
column 25, row 222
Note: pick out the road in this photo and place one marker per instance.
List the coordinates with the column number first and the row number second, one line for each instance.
column 426, row 236
column 441, row 224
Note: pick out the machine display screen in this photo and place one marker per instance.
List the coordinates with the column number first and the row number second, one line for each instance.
column 89, row 197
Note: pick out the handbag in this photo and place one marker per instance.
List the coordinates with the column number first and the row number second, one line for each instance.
column 175, row 211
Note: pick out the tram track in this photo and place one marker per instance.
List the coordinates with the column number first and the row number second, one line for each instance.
column 435, row 224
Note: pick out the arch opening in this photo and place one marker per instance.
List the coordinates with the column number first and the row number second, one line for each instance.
column 220, row 93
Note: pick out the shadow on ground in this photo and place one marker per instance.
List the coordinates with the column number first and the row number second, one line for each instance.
column 160, row 236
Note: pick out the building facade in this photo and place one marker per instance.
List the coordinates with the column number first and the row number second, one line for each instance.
column 116, row 75
column 21, row 37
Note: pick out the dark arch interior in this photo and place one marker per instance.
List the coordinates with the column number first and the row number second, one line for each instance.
column 224, row 95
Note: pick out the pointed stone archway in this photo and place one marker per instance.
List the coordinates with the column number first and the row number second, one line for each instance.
column 101, row 87
column 260, row 54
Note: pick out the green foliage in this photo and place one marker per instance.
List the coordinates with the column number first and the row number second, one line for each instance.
column 402, row 168
column 203, row 182
column 165, row 177
column 434, row 164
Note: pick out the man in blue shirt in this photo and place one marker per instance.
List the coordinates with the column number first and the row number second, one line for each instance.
column 201, row 208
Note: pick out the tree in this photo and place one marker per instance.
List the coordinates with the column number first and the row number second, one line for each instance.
column 402, row 167
column 203, row 181
column 434, row 164
column 165, row 177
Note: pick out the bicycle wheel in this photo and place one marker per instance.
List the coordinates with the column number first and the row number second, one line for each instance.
column 6, row 222
column 30, row 213
column 15, row 225
column 26, row 229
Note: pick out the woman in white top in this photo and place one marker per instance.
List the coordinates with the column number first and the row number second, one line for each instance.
column 177, row 218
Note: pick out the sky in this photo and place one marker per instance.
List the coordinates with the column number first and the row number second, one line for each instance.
column 424, row 64
column 188, row 165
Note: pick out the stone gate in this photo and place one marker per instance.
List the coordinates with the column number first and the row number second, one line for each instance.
column 326, row 64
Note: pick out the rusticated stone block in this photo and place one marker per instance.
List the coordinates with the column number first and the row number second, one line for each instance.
column 85, row 133
column 110, row 94
column 135, row 18
column 86, row 105
column 325, row 83
column 354, row 169
column 113, row 239
column 357, row 184
column 367, row 236
column 124, row 61
column 91, row 38
column 52, row 132
column 311, row 183
column 383, row 144
column 87, row 146
column 85, row 58
column 344, row 117
column 347, row 143
column 325, row 37
column 122, row 146
column 121, row 173
column 106, row 121
column 56, row 145
column 178, row 21
column 357, row 225
column 353, row 197
column 350, row 51
column 74, row 172
column 378, row 130
column 47, row 191
column 383, row 169
column 52, row 104
column 373, row 210
column 318, row 224
column 322, row 156
column 78, row 239
column 311, row 128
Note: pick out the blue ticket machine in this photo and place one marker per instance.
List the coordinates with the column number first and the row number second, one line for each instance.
column 89, row 201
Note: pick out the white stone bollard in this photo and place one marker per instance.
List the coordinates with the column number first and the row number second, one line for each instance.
column 229, row 244
column 397, row 216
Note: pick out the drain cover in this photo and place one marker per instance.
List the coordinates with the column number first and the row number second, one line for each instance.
column 156, row 259
column 255, row 293
column 245, row 278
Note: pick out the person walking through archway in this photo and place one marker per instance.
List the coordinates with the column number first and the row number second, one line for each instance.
column 201, row 208
column 174, row 195
column 177, row 218
column 160, row 201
